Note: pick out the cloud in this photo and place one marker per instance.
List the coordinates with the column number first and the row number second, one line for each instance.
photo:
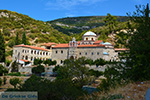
column 69, row 4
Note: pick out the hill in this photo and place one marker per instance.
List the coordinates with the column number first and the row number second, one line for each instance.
column 76, row 25
column 36, row 31
column 13, row 22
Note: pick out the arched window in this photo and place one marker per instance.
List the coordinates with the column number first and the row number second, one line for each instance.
column 92, row 39
column 86, row 38
column 22, row 57
column 61, row 61
column 31, row 51
column 38, row 52
column 31, row 58
column 23, row 51
column 26, row 57
column 35, row 52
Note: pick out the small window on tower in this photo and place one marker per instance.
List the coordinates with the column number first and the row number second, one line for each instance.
column 86, row 38
column 92, row 39
column 56, row 51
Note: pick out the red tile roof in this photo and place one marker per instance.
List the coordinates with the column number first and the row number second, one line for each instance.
column 90, row 45
column 67, row 45
column 61, row 46
column 24, row 60
column 32, row 47
column 121, row 49
column 98, row 42
column 49, row 44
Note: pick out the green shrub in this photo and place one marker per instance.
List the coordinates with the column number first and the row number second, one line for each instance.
column 4, row 80
column 95, row 73
column 14, row 82
column 14, row 74
column 38, row 70
column 37, row 61
column 3, row 70
column 7, row 38
column 7, row 62
column 55, row 69
column 11, row 43
column 1, row 81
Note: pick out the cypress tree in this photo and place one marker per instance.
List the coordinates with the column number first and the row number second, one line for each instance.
column 17, row 39
column 24, row 38
column 2, row 48
column 139, row 45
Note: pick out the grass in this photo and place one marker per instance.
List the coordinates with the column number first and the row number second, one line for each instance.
column 131, row 91
column 15, row 74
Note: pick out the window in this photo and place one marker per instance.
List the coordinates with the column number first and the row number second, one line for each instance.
column 31, row 51
column 38, row 52
column 43, row 53
column 34, row 52
column 80, row 53
column 86, row 38
column 46, row 53
column 61, row 61
column 92, row 39
column 22, row 57
column 86, row 53
column 26, row 57
column 31, row 58
column 16, row 51
column 61, row 51
column 97, row 53
column 92, row 53
column 56, row 51
column 22, row 51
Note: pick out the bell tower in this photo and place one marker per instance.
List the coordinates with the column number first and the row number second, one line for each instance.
column 72, row 49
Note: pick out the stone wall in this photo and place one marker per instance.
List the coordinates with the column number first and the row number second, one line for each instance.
column 59, row 54
column 90, row 52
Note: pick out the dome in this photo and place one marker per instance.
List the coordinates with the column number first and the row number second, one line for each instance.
column 107, row 43
column 89, row 33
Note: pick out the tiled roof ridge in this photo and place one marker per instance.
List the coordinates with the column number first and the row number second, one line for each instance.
column 32, row 47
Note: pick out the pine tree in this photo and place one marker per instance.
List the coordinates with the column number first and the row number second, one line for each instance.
column 140, row 45
column 17, row 39
column 111, row 22
column 24, row 38
column 2, row 48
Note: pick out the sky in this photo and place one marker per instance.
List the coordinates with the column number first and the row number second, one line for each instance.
column 47, row 10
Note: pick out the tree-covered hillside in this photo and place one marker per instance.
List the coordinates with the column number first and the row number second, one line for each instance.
column 36, row 31
column 13, row 24
column 76, row 25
